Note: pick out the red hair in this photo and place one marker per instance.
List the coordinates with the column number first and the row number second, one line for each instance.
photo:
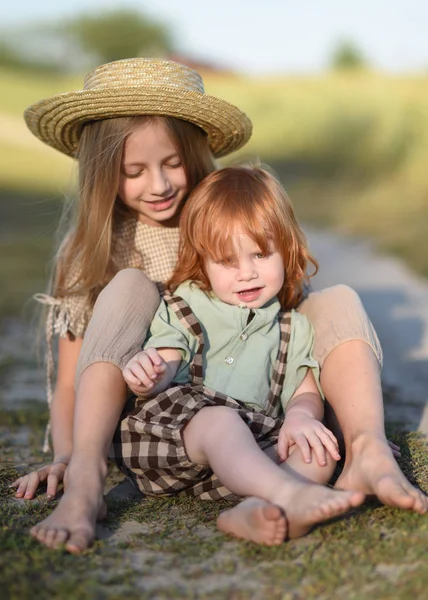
column 253, row 199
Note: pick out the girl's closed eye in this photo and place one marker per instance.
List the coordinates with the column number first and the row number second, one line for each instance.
column 133, row 174
column 173, row 164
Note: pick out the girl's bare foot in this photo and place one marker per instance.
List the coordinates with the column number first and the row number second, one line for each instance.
column 72, row 523
column 309, row 504
column 371, row 468
column 255, row 520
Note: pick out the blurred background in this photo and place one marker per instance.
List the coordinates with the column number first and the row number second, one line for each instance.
column 337, row 92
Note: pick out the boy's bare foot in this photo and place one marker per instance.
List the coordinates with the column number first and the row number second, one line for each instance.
column 72, row 523
column 309, row 504
column 371, row 468
column 255, row 520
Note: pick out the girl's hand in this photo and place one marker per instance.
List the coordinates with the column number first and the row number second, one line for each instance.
column 52, row 474
column 309, row 435
column 144, row 370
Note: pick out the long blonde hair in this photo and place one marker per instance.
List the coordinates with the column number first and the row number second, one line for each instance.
column 88, row 249
column 253, row 199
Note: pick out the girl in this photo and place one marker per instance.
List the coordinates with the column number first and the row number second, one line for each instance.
column 242, row 260
column 138, row 129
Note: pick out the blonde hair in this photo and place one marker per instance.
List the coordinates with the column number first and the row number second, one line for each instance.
column 253, row 199
column 88, row 249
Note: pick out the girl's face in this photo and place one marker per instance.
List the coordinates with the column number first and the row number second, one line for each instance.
column 250, row 277
column 152, row 179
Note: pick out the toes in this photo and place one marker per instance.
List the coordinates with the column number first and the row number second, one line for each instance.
column 78, row 542
column 271, row 512
column 420, row 502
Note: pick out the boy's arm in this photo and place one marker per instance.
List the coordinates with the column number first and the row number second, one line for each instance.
column 306, row 399
column 303, row 427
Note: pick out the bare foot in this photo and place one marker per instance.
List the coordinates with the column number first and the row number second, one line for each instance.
column 309, row 504
column 72, row 523
column 255, row 520
column 371, row 468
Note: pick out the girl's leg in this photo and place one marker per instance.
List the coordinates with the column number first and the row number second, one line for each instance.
column 349, row 353
column 125, row 306
column 216, row 434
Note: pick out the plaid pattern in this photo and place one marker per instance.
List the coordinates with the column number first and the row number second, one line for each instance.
column 148, row 445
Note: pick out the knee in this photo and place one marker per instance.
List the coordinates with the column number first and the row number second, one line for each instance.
column 130, row 283
column 340, row 295
column 214, row 420
column 133, row 281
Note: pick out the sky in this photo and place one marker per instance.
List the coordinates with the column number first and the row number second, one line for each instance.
column 269, row 36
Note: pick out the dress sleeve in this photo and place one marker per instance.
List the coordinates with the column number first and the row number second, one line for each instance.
column 299, row 357
column 166, row 331
column 70, row 314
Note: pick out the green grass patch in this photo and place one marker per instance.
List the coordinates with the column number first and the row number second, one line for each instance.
column 173, row 549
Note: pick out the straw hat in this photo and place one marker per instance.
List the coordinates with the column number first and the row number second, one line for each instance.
column 138, row 86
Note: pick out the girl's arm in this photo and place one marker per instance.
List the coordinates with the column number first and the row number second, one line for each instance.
column 302, row 425
column 62, row 415
column 62, row 409
column 151, row 371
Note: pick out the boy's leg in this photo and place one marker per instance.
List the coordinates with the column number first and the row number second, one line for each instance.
column 311, row 472
column 216, row 434
column 100, row 397
column 348, row 350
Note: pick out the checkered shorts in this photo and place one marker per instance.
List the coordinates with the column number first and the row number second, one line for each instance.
column 148, row 443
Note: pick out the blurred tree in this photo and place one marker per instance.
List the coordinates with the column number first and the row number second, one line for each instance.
column 84, row 42
column 118, row 34
column 347, row 57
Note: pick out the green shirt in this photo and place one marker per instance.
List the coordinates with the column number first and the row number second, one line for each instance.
column 239, row 353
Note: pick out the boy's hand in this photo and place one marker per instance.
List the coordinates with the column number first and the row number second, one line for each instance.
column 309, row 435
column 52, row 474
column 144, row 370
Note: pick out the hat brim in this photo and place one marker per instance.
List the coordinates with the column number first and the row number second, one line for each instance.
column 58, row 121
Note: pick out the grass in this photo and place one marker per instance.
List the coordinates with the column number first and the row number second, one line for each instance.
column 172, row 549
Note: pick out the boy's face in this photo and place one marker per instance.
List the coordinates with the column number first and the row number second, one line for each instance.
column 249, row 278
column 152, row 178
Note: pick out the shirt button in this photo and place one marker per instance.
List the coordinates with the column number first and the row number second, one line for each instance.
column 243, row 336
column 229, row 360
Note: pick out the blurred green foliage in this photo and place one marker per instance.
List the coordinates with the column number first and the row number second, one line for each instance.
column 347, row 57
column 118, row 34
column 84, row 41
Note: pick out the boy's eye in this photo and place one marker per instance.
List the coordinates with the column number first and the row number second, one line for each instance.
column 226, row 262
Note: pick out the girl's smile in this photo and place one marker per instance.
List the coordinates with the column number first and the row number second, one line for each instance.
column 160, row 205
column 153, row 181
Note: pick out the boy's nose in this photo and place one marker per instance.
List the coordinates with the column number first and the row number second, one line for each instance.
column 246, row 270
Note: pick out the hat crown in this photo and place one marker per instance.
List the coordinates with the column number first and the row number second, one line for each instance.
column 139, row 72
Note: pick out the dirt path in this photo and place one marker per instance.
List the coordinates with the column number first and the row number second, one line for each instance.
column 397, row 303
